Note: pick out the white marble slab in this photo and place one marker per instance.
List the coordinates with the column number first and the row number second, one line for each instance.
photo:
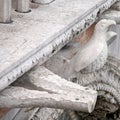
column 30, row 33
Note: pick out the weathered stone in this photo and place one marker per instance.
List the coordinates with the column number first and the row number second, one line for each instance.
column 48, row 90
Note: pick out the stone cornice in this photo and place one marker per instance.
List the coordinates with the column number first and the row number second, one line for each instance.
column 57, row 42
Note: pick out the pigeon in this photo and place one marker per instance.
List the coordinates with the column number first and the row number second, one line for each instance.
column 93, row 55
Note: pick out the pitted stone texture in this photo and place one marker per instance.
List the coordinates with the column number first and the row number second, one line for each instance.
column 32, row 40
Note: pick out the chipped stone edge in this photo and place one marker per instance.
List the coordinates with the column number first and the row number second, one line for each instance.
column 57, row 43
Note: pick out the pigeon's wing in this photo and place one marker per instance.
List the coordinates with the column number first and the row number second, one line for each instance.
column 86, row 56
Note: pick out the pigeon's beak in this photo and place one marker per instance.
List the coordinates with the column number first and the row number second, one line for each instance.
column 111, row 35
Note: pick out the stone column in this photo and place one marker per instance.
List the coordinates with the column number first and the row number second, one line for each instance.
column 5, row 11
column 22, row 6
column 43, row 1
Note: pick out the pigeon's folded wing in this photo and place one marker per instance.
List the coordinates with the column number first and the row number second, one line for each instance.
column 86, row 56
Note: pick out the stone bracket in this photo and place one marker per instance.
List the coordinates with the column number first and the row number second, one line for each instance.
column 42, row 88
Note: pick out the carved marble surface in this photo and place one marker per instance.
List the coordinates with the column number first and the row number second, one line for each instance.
column 41, row 33
column 106, row 81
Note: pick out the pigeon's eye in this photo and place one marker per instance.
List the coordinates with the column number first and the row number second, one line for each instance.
column 103, row 24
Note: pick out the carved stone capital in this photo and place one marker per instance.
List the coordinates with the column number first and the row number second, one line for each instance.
column 107, row 82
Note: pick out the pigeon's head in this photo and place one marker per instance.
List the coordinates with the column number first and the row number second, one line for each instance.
column 104, row 25
column 102, row 29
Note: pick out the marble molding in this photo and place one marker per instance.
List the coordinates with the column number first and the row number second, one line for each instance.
column 44, row 54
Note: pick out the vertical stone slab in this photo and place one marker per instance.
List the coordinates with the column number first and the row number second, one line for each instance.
column 5, row 11
column 22, row 6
